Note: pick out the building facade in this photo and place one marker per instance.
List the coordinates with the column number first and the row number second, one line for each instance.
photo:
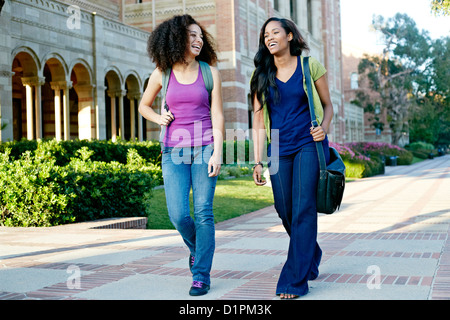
column 68, row 73
column 77, row 69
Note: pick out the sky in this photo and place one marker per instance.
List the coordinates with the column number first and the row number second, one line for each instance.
column 356, row 18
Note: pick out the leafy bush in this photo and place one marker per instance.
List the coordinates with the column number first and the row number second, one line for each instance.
column 422, row 150
column 30, row 194
column 234, row 171
column 382, row 150
column 237, row 152
column 358, row 165
column 420, row 145
column 36, row 191
column 103, row 150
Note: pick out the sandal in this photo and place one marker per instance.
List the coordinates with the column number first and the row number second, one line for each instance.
column 288, row 296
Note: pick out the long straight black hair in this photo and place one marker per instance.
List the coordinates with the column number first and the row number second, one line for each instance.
column 266, row 71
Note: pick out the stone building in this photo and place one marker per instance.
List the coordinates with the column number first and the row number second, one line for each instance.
column 77, row 69
column 70, row 70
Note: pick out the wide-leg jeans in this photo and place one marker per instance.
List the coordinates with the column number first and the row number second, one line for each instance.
column 182, row 169
column 294, row 185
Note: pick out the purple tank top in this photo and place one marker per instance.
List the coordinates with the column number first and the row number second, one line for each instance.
column 189, row 103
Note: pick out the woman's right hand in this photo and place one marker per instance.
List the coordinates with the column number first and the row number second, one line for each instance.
column 166, row 118
column 258, row 177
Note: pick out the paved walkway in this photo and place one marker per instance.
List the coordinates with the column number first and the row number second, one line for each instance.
column 390, row 240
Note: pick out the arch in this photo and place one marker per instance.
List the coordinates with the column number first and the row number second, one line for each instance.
column 132, row 123
column 82, row 71
column 29, row 60
column 113, row 103
column 56, row 97
column 26, row 99
column 133, row 80
column 57, row 66
column 114, row 78
column 81, row 102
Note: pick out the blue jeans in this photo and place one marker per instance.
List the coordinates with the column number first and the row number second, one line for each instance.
column 182, row 169
column 294, row 185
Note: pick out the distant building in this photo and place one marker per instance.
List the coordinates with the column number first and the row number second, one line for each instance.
column 354, row 114
column 77, row 69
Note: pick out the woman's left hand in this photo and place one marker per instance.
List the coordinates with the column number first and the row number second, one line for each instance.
column 214, row 166
column 318, row 133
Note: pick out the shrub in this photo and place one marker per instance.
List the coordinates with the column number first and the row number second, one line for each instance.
column 422, row 150
column 35, row 191
column 234, row 171
column 103, row 150
column 30, row 194
column 358, row 165
column 382, row 150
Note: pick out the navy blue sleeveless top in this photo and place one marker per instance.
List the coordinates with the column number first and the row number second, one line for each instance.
column 290, row 115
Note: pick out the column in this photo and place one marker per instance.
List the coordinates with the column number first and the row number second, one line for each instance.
column 133, row 96
column 132, row 120
column 121, row 94
column 112, row 95
column 66, row 108
column 86, row 111
column 58, row 130
column 38, row 106
column 140, row 119
column 28, row 83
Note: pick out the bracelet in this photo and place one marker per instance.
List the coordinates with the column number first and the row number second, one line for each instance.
column 257, row 164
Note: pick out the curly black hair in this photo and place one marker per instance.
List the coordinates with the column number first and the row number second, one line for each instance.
column 165, row 47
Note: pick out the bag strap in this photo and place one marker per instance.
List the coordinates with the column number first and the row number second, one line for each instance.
column 165, row 84
column 319, row 145
column 207, row 78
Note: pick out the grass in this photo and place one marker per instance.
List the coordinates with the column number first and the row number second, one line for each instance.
column 416, row 160
column 233, row 198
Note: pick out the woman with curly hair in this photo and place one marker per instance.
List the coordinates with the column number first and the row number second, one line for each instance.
column 282, row 113
column 192, row 144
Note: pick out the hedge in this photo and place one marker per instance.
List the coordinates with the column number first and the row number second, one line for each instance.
column 382, row 150
column 46, row 183
column 422, row 150
column 103, row 150
column 36, row 191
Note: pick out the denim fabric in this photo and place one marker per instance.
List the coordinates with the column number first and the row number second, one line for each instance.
column 294, row 186
column 182, row 169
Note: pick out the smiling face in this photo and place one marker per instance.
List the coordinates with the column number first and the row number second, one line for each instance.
column 195, row 40
column 276, row 39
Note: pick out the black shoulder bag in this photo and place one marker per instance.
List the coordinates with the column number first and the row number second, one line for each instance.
column 330, row 188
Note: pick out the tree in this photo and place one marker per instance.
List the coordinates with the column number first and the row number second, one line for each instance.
column 391, row 76
column 430, row 117
column 440, row 7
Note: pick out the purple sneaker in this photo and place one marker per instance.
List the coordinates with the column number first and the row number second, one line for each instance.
column 198, row 288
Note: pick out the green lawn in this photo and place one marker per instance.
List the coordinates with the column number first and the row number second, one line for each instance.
column 233, row 198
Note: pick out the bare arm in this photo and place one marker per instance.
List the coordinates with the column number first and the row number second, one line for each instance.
column 145, row 106
column 320, row 132
column 259, row 138
column 218, row 124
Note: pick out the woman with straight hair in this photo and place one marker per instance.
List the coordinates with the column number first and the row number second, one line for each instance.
column 193, row 139
column 281, row 114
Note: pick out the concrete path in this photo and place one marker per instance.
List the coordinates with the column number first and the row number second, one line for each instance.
column 390, row 240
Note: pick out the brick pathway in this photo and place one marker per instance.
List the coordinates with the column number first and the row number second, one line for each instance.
column 388, row 241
